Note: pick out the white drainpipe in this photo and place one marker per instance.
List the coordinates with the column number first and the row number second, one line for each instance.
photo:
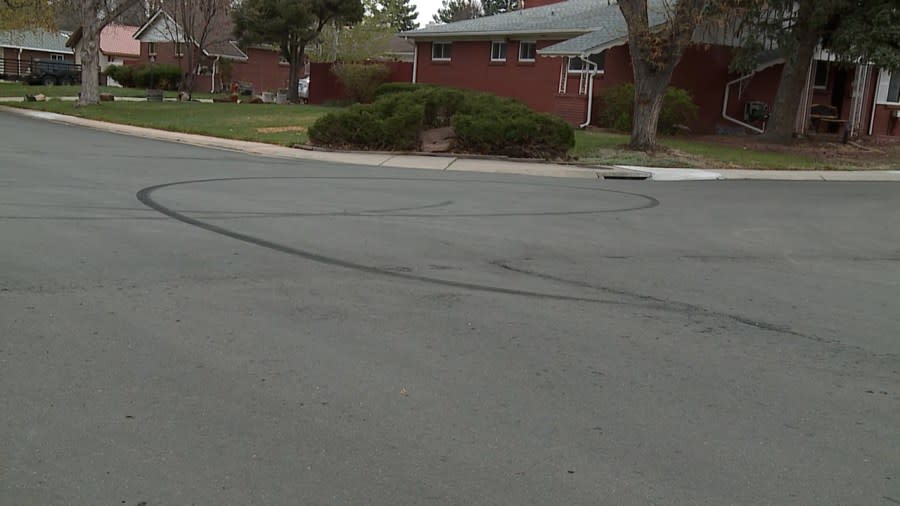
column 725, row 106
column 19, row 63
column 212, row 84
column 874, row 101
column 590, row 101
column 415, row 60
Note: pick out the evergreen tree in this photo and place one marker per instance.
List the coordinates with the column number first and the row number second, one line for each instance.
column 458, row 10
column 492, row 7
column 399, row 14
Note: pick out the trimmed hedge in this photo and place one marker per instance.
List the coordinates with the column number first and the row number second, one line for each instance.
column 483, row 123
column 617, row 109
column 391, row 88
column 123, row 74
column 161, row 76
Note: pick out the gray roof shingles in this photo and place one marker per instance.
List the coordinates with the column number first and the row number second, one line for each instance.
column 598, row 23
column 54, row 42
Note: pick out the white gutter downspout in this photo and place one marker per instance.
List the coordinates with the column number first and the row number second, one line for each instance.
column 590, row 101
column 415, row 60
column 874, row 101
column 212, row 84
column 19, row 63
column 725, row 107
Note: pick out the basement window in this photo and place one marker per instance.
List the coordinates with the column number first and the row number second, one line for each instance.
column 440, row 51
column 498, row 51
column 527, row 51
column 577, row 65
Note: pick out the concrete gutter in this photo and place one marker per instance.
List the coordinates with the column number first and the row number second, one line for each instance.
column 411, row 161
column 684, row 174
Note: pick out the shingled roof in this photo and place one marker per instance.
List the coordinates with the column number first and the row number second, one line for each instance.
column 39, row 40
column 593, row 24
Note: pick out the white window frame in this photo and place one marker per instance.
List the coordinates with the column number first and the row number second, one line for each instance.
column 57, row 57
column 502, row 46
column 817, row 86
column 883, row 87
column 584, row 67
column 522, row 44
column 152, row 50
column 434, row 46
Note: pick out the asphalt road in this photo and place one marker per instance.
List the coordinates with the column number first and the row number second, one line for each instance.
column 189, row 326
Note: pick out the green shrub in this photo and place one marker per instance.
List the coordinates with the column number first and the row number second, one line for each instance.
column 390, row 88
column 369, row 128
column 483, row 124
column 360, row 80
column 161, row 76
column 123, row 74
column 522, row 134
column 616, row 109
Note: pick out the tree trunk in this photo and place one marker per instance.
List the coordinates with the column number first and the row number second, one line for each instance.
column 90, row 64
column 294, row 73
column 649, row 91
column 791, row 88
column 794, row 74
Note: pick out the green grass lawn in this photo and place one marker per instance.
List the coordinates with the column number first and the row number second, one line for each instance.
column 19, row 89
column 607, row 148
column 286, row 125
column 274, row 124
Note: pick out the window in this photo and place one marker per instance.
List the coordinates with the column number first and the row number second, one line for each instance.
column 440, row 51
column 57, row 57
column 821, row 80
column 527, row 51
column 179, row 49
column 498, row 51
column 283, row 61
column 893, row 94
column 577, row 65
column 151, row 48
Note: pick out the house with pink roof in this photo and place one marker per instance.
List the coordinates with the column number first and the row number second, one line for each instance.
column 117, row 44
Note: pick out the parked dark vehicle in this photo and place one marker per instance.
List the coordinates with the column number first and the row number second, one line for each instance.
column 53, row 72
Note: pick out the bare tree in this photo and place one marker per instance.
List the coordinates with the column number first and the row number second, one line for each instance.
column 95, row 15
column 200, row 25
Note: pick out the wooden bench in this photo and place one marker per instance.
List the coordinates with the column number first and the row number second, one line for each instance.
column 821, row 115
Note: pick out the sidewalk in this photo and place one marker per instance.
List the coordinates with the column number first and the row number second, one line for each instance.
column 465, row 164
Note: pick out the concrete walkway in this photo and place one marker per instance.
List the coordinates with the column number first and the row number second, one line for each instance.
column 439, row 162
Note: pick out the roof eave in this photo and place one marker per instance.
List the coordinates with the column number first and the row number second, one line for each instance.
column 494, row 33
column 621, row 41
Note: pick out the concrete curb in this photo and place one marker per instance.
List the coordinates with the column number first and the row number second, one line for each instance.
column 431, row 161
column 411, row 161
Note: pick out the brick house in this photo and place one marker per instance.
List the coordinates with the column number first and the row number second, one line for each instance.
column 19, row 48
column 162, row 41
column 558, row 55
column 117, row 45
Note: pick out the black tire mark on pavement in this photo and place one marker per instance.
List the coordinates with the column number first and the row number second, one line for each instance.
column 145, row 197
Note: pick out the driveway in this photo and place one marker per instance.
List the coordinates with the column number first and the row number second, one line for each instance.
column 181, row 325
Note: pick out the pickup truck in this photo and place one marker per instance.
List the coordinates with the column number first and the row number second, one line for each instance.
column 52, row 72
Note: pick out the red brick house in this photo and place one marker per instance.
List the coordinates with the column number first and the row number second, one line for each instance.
column 18, row 48
column 162, row 41
column 558, row 55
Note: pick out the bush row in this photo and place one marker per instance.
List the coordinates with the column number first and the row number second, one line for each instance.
column 161, row 76
column 483, row 123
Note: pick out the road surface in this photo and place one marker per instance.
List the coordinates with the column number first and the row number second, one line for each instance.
column 190, row 326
